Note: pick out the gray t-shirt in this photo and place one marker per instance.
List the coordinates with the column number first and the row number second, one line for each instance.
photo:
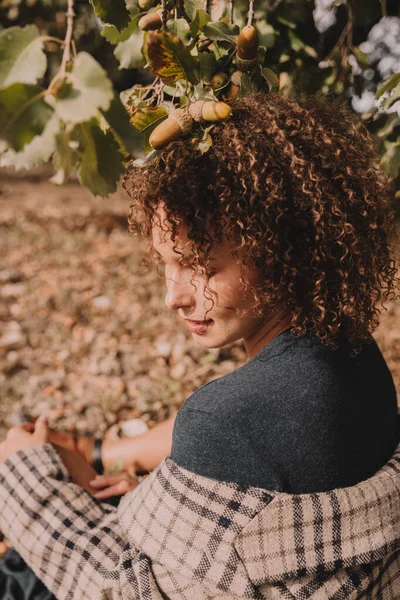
column 299, row 417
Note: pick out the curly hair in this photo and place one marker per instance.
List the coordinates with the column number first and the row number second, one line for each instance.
column 299, row 187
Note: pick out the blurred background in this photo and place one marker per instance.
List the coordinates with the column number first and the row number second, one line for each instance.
column 85, row 336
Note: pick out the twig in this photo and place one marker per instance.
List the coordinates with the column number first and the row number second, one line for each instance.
column 345, row 35
column 70, row 14
column 164, row 14
column 151, row 87
column 251, row 13
column 73, row 46
column 231, row 8
column 68, row 41
column 274, row 5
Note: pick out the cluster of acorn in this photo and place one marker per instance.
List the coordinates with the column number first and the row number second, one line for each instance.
column 181, row 119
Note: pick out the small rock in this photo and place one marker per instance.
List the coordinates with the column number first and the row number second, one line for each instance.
column 15, row 310
column 133, row 427
column 163, row 349
column 12, row 357
column 12, row 340
column 13, row 290
column 102, row 302
column 9, row 276
column 178, row 371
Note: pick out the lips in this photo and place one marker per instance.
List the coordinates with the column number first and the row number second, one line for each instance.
column 197, row 326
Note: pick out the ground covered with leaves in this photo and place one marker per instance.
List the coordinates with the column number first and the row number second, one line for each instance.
column 85, row 335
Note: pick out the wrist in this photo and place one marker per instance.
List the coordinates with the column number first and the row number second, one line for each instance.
column 122, row 454
column 84, row 447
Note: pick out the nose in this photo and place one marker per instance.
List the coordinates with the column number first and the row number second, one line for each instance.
column 180, row 294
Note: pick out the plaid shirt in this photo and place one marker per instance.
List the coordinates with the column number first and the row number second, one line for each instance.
column 183, row 536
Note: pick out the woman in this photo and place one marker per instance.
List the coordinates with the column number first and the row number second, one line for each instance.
column 283, row 478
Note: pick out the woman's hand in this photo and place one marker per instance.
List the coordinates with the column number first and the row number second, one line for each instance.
column 113, row 484
column 18, row 438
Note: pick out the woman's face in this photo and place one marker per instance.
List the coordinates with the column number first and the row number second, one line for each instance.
column 212, row 325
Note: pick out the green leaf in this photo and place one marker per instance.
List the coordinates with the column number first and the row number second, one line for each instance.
column 208, row 65
column 392, row 121
column 286, row 22
column 87, row 90
column 271, row 78
column 219, row 51
column 202, row 18
column 129, row 52
column 205, row 143
column 394, row 97
column 170, row 59
column 205, row 92
column 266, row 34
column 22, row 59
column 361, row 57
column 221, row 31
column 391, row 158
column 146, row 120
column 114, row 12
column 295, row 42
column 192, row 6
column 118, row 119
column 179, row 28
column 247, row 85
column 363, row 14
column 101, row 161
column 388, row 85
column 23, row 114
column 39, row 150
column 174, row 90
column 112, row 35
column 66, row 156
column 261, row 52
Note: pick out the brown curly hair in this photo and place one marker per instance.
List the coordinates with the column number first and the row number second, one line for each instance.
column 299, row 186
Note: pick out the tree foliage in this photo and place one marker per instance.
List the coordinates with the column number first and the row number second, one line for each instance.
column 60, row 101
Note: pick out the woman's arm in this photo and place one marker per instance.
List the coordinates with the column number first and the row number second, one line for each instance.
column 143, row 452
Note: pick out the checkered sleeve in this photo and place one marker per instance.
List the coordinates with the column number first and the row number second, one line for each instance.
column 73, row 543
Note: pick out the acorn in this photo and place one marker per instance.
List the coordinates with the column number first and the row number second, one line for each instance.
column 234, row 87
column 151, row 21
column 178, row 122
column 147, row 4
column 209, row 110
column 247, row 47
column 181, row 120
column 248, row 42
column 232, row 93
column 218, row 80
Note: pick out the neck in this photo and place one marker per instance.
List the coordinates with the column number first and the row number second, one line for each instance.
column 267, row 332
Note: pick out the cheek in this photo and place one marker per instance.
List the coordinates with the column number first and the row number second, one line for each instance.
column 227, row 290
